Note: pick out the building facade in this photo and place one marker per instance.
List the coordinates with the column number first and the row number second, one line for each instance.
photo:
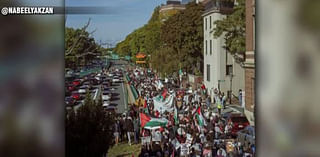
column 221, row 70
column 172, row 5
column 250, row 61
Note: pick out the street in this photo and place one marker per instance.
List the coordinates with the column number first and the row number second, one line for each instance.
column 118, row 98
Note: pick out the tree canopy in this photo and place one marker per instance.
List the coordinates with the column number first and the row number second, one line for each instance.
column 144, row 39
column 233, row 27
column 182, row 39
column 88, row 130
column 80, row 47
column 174, row 40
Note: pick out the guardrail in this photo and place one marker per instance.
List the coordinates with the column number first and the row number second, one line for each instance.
column 134, row 91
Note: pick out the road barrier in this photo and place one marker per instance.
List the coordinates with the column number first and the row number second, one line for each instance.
column 134, row 91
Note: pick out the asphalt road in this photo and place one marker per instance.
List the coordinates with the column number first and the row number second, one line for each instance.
column 119, row 98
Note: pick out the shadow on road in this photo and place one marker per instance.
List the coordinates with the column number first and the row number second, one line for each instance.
column 113, row 104
column 114, row 99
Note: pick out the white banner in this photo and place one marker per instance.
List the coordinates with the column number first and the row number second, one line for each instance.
column 162, row 106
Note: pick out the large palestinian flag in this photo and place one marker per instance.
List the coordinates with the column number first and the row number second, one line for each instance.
column 148, row 122
column 201, row 120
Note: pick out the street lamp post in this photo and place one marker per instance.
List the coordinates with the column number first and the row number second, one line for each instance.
column 150, row 66
column 231, row 76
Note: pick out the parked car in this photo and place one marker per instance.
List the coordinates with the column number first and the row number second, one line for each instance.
column 110, row 109
column 112, row 89
column 75, row 95
column 82, row 90
column 239, row 121
column 106, row 103
column 70, row 101
column 115, row 80
column 76, row 82
column 87, row 83
column 71, row 87
column 106, row 82
column 106, row 95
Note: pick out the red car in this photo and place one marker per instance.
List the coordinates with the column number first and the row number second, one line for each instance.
column 71, row 88
column 76, row 82
column 75, row 96
column 239, row 121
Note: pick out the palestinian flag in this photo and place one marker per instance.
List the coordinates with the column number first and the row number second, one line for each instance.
column 145, row 104
column 201, row 120
column 148, row 122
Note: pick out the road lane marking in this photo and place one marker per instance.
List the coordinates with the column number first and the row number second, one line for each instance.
column 124, row 99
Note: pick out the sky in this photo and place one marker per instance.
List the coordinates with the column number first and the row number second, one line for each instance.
column 123, row 17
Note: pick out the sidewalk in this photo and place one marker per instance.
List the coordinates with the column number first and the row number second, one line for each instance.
column 230, row 108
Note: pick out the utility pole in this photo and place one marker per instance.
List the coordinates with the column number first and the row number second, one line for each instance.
column 230, row 96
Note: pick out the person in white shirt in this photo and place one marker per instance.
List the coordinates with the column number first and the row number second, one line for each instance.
column 217, row 130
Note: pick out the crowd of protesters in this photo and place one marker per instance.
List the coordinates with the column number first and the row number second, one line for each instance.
column 185, row 134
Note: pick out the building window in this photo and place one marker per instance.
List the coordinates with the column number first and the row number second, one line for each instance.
column 206, row 47
column 229, row 70
column 208, row 72
column 210, row 47
column 206, row 23
column 210, row 22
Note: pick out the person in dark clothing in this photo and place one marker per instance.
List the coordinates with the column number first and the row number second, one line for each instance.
column 129, row 127
column 122, row 129
column 136, row 126
column 116, row 132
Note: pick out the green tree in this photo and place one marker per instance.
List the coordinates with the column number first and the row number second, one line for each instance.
column 233, row 29
column 144, row 39
column 88, row 130
column 183, row 34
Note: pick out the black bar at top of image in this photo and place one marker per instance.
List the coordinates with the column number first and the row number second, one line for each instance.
column 84, row 10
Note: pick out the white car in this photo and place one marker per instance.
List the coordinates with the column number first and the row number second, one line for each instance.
column 115, row 80
column 106, row 97
column 110, row 75
column 82, row 91
column 106, row 103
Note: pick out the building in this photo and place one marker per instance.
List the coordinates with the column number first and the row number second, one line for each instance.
column 170, row 8
column 221, row 70
column 250, row 61
column 172, row 5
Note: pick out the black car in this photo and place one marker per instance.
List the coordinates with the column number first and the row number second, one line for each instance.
column 70, row 101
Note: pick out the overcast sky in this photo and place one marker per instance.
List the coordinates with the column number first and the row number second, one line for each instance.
column 122, row 18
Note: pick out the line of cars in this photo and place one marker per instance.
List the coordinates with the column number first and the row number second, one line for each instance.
column 76, row 88
column 110, row 79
